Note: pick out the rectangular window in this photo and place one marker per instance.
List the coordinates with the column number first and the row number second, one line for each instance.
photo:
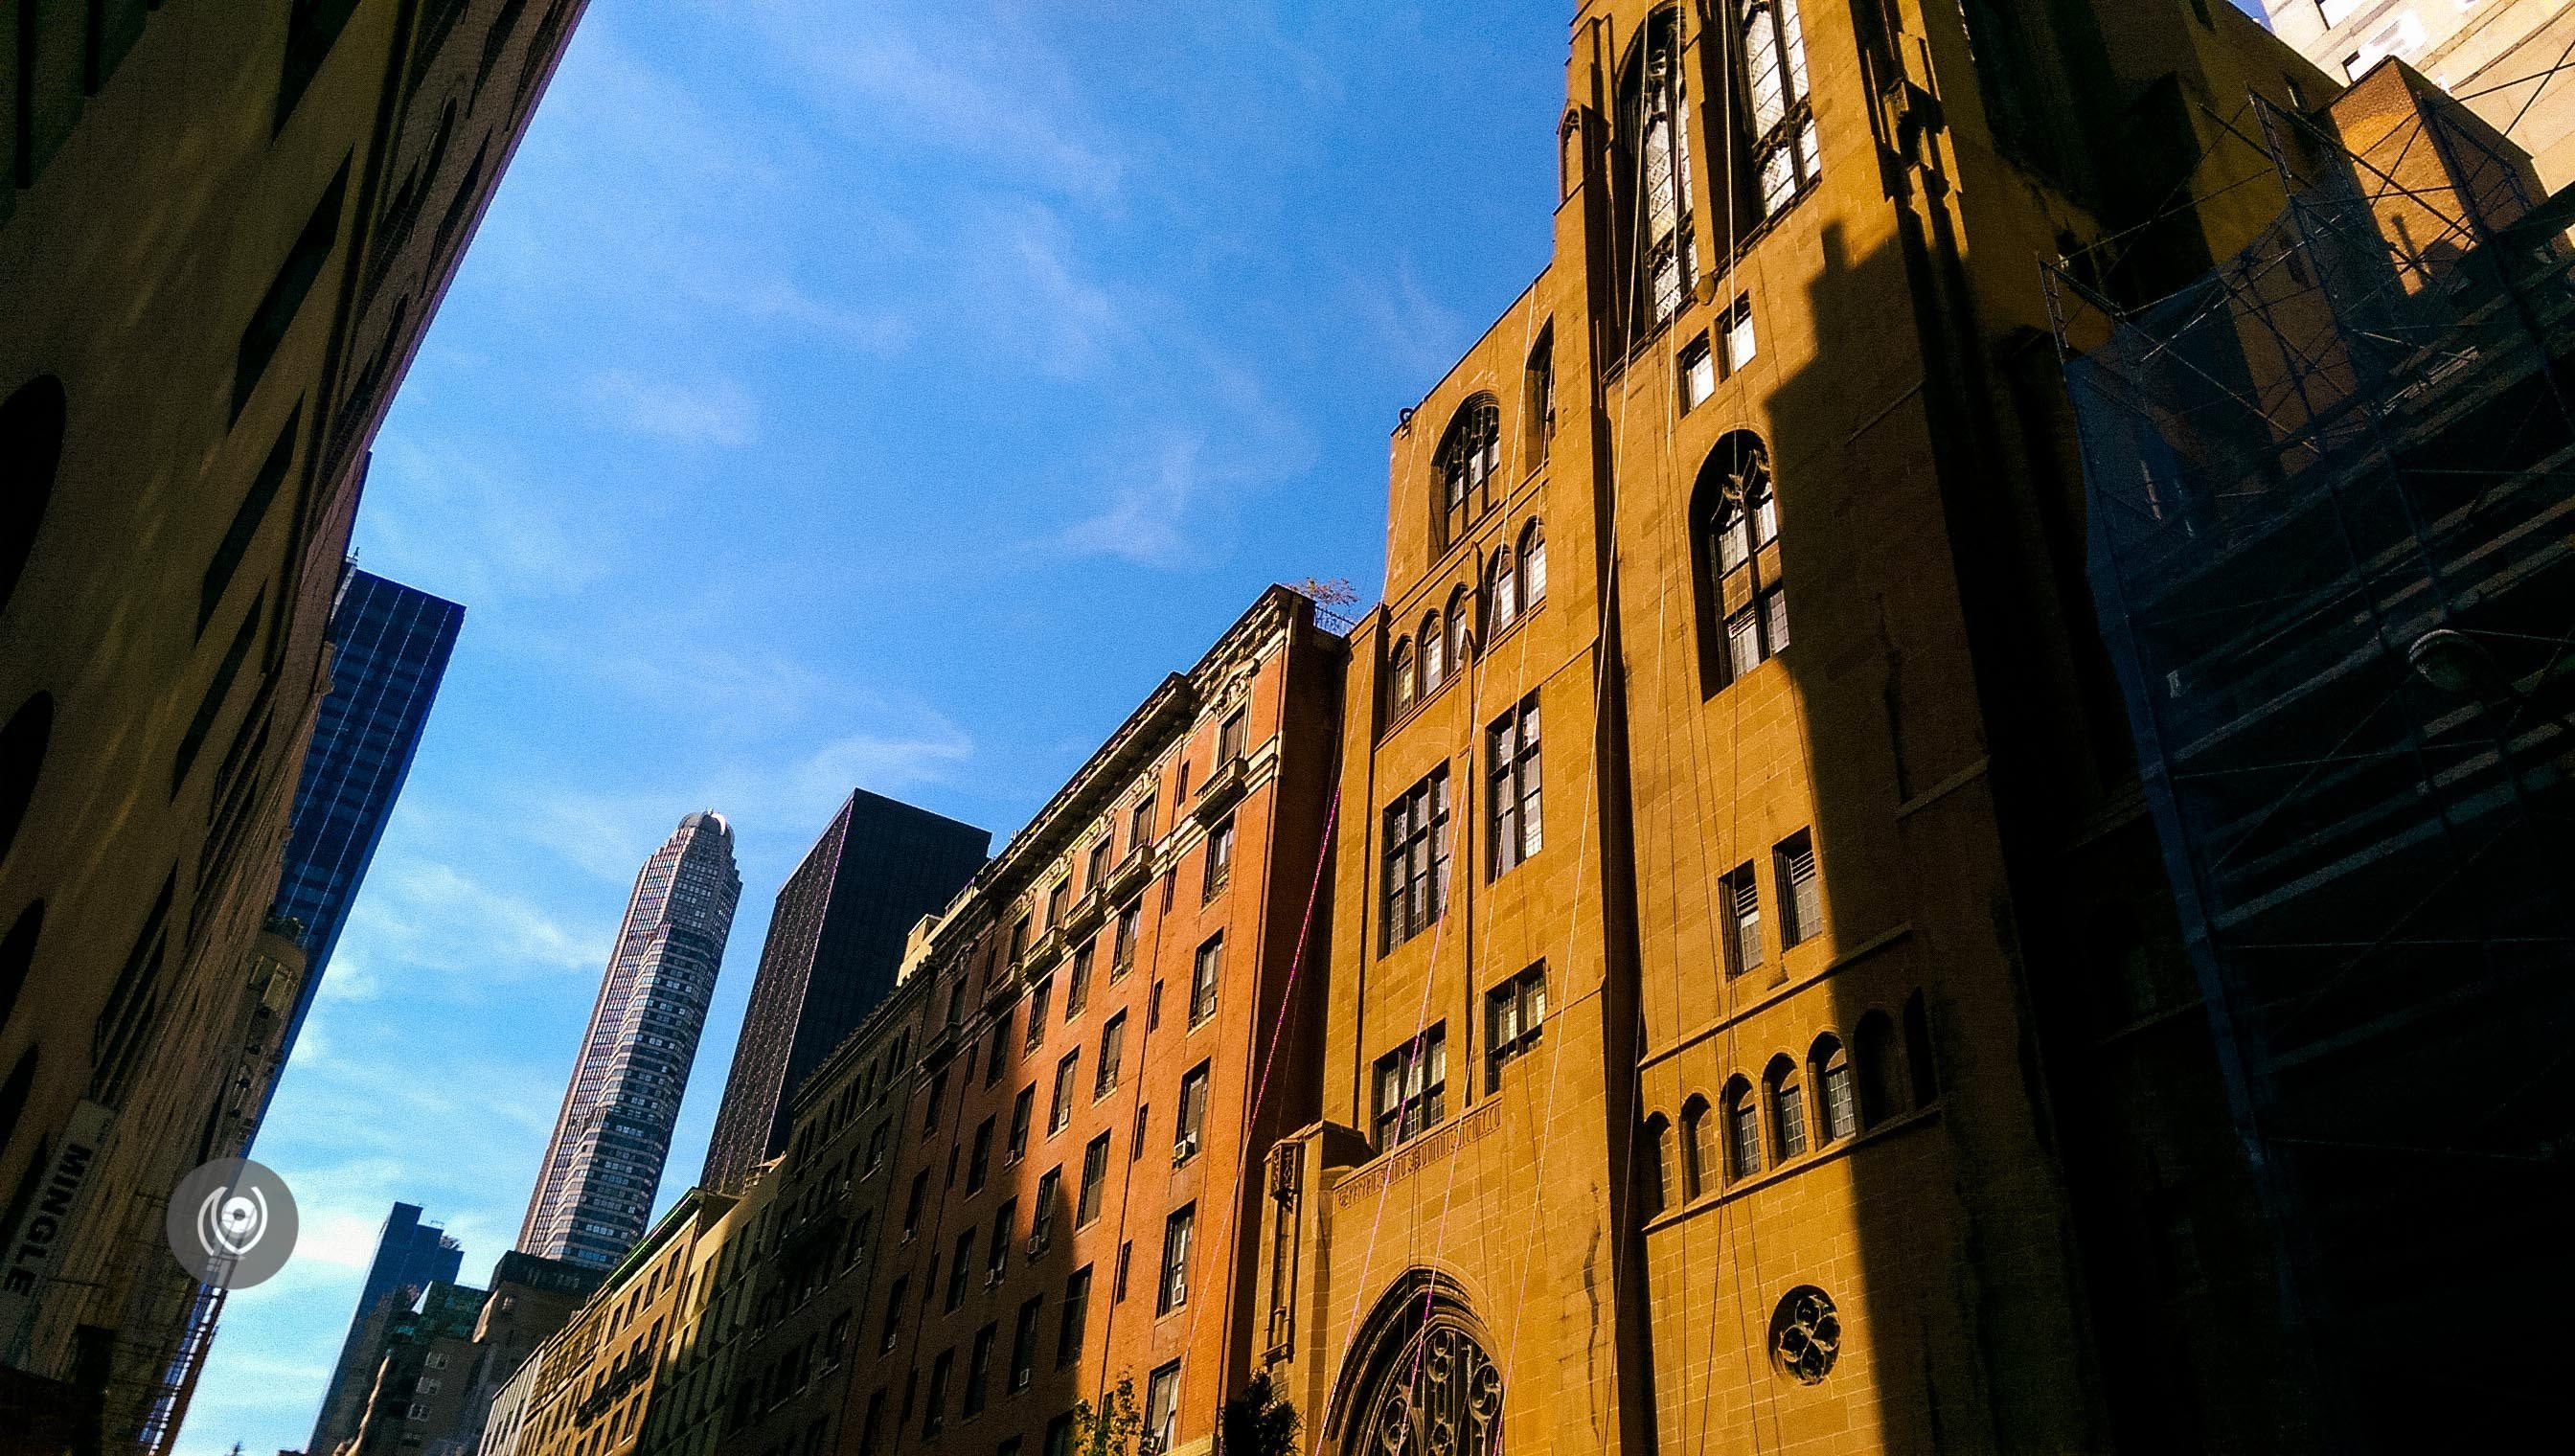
column 1076, row 1312
column 997, row 1053
column 1018, row 940
column 930, row 1104
column 1801, row 909
column 1024, row 1344
column 1161, row 1409
column 1136, row 1147
column 1790, row 1104
column 979, row 1163
column 1005, row 1228
column 958, row 1268
column 246, row 521
column 1113, row 1056
column 1039, row 994
column 1118, row 1279
column 892, row 1314
column 1058, row 1436
column 1097, row 868
column 1076, row 990
column 1412, row 1087
column 1841, row 1098
column 1741, row 344
column 1513, row 811
column 1024, row 1109
column 1741, row 895
column 1042, row 1217
column 912, row 1205
column 1514, row 1018
column 1204, row 975
column 1058, row 899
column 1140, row 823
column 1417, row 859
column 1131, row 923
column 1173, row 1291
column 1220, row 859
column 1772, row 603
column 1095, row 1180
column 979, row 1369
column 1061, row 1113
column 1192, row 1121
column 1697, row 374
column 1232, row 737
column 1743, row 640
column 934, row 1415
column 295, row 278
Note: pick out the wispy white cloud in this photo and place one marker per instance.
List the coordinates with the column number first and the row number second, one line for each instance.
column 979, row 84
column 711, row 411
column 1147, row 517
column 464, row 514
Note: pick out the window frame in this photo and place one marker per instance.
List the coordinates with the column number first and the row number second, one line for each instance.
column 1410, row 1088
column 1514, row 820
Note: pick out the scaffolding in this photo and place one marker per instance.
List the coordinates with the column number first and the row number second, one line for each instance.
column 2331, row 517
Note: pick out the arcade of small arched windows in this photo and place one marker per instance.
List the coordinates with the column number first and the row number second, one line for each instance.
column 1794, row 1109
column 1439, row 645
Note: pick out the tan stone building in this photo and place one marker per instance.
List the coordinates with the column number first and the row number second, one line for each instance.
column 586, row 1391
column 1732, row 783
column 224, row 231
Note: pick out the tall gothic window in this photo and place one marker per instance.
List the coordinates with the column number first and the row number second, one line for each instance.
column 1779, row 118
column 1470, row 458
column 1735, row 516
column 1655, row 150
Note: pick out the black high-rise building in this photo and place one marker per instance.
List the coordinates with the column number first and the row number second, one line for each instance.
column 390, row 645
column 835, row 941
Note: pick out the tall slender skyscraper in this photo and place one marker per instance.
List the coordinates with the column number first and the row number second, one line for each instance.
column 410, row 1257
column 834, row 944
column 604, row 1162
column 390, row 645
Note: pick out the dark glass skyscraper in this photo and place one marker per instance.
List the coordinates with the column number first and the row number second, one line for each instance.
column 605, row 1161
column 390, row 645
column 410, row 1257
column 835, row 941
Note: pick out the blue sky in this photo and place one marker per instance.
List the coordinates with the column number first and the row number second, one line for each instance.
column 844, row 393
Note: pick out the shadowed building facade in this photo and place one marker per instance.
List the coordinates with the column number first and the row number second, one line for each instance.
column 835, row 940
column 389, row 647
column 223, row 231
column 604, row 1164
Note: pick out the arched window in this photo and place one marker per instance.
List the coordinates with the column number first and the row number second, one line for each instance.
column 1787, row 1110
column 1659, row 1156
column 1778, row 121
column 17, row 955
column 1420, row 1378
column 1917, row 1052
column 1836, row 1094
column 31, row 451
column 1698, row 1147
column 1742, row 1131
column 1470, row 456
column 22, row 758
column 1503, row 597
column 1399, row 675
column 1461, row 629
column 1881, row 1069
column 1735, row 528
column 1533, row 564
column 1434, row 661
column 1654, row 171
